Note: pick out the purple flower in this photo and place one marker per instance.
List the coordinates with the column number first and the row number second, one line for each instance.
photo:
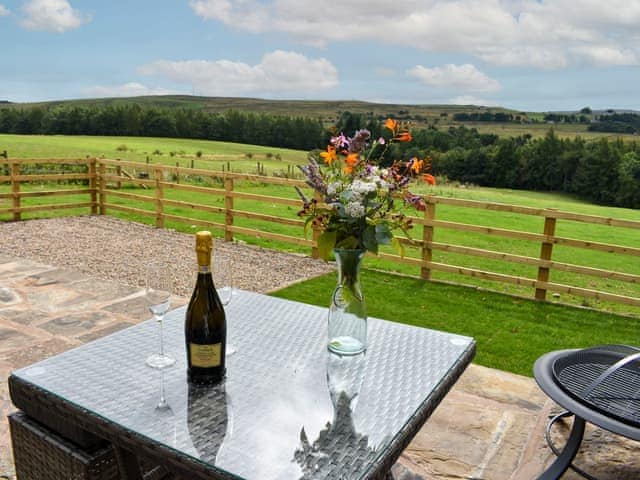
column 341, row 141
column 359, row 141
column 314, row 176
column 416, row 201
column 381, row 141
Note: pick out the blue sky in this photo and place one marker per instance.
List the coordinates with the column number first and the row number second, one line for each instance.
column 533, row 55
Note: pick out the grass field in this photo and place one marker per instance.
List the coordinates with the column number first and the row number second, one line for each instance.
column 539, row 130
column 168, row 151
column 510, row 333
column 73, row 146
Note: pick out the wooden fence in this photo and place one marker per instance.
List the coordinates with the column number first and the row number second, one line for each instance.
column 102, row 181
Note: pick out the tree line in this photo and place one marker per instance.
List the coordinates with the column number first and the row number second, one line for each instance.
column 499, row 117
column 133, row 120
column 617, row 123
column 603, row 171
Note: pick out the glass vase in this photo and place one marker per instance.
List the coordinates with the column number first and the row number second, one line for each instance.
column 347, row 312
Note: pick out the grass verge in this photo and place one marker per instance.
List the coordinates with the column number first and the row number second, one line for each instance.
column 511, row 333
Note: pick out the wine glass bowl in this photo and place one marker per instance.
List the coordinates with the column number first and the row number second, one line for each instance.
column 223, row 280
column 158, row 291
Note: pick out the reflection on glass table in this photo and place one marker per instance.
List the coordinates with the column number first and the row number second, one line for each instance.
column 296, row 407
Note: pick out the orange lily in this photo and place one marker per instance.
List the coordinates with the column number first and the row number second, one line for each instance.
column 351, row 161
column 391, row 124
column 430, row 179
column 403, row 137
column 416, row 165
column 330, row 155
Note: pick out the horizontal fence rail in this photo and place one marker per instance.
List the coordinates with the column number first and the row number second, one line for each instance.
column 100, row 186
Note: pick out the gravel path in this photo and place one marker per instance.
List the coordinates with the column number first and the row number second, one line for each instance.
column 109, row 248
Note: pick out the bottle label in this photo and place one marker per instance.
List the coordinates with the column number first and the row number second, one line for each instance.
column 206, row 356
column 204, row 268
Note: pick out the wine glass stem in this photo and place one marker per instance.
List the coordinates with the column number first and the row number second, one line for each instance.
column 161, row 335
column 163, row 401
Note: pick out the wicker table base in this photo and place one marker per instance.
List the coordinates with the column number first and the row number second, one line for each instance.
column 40, row 454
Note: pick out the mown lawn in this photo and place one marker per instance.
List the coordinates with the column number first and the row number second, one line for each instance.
column 510, row 332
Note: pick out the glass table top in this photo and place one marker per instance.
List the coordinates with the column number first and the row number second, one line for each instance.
column 288, row 409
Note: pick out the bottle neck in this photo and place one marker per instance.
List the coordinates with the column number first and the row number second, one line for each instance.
column 204, row 269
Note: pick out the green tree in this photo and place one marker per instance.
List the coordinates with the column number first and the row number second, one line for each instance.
column 596, row 176
column 628, row 194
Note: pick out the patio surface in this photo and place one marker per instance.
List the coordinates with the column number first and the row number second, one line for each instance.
column 490, row 426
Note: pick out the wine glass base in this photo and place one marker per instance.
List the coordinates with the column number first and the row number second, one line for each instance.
column 160, row 361
column 163, row 406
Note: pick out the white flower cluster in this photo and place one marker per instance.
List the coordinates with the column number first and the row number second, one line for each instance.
column 378, row 176
column 334, row 188
column 362, row 188
column 354, row 209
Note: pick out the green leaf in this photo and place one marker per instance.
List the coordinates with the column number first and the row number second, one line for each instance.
column 369, row 239
column 384, row 235
column 326, row 243
column 397, row 244
column 306, row 226
column 348, row 242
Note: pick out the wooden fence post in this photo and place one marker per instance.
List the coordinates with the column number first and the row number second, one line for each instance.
column 228, row 205
column 159, row 198
column 102, row 182
column 545, row 254
column 119, row 174
column 6, row 167
column 427, row 238
column 178, row 173
column 15, row 190
column 93, row 186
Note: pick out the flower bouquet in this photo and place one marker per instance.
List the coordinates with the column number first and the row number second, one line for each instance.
column 359, row 207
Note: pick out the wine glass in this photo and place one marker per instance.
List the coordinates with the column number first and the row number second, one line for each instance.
column 223, row 280
column 159, row 285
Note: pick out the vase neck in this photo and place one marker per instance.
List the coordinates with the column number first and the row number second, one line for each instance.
column 349, row 261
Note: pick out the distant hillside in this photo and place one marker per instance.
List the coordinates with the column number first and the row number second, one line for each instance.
column 493, row 120
column 327, row 110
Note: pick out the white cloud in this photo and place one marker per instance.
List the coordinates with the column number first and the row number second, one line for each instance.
column 248, row 15
column 604, row 56
column 278, row 72
column 52, row 15
column 465, row 77
column 471, row 100
column 522, row 56
column 539, row 33
column 131, row 89
column 4, row 11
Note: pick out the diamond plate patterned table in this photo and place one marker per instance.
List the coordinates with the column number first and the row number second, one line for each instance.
column 287, row 410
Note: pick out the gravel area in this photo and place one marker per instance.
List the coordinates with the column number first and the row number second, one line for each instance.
column 109, row 248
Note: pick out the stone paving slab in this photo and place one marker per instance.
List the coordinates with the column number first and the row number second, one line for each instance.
column 489, row 427
column 45, row 311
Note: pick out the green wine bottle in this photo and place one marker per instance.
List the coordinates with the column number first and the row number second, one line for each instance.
column 205, row 326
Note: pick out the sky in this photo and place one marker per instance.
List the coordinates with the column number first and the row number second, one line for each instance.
column 530, row 55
